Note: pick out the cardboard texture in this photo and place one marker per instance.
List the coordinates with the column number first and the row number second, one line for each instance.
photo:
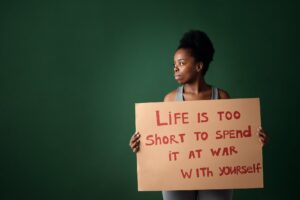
column 193, row 145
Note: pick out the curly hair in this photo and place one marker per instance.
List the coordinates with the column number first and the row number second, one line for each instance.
column 200, row 46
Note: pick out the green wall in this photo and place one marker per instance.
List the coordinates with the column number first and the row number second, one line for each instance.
column 71, row 71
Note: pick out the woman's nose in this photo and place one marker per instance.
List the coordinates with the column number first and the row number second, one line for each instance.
column 175, row 68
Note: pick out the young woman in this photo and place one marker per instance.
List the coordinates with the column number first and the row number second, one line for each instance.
column 191, row 62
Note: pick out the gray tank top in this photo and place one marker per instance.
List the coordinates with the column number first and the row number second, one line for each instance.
column 179, row 93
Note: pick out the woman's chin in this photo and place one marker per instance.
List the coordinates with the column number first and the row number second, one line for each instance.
column 180, row 81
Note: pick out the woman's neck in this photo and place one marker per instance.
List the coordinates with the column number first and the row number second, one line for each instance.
column 196, row 87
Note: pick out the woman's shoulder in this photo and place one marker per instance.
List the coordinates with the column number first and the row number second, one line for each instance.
column 171, row 96
column 223, row 94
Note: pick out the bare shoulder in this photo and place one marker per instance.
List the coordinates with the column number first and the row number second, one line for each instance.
column 223, row 94
column 170, row 96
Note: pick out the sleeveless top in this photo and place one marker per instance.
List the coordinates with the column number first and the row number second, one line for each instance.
column 179, row 93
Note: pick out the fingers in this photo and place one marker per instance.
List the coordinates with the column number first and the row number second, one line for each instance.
column 135, row 137
column 136, row 148
column 263, row 138
column 135, row 145
column 135, row 142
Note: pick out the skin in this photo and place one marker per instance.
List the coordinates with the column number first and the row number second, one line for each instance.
column 189, row 73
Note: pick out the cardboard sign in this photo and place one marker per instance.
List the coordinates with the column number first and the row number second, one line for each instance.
column 193, row 145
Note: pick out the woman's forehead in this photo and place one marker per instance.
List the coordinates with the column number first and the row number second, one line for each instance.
column 182, row 54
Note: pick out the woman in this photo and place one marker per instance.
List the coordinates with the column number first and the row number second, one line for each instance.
column 191, row 62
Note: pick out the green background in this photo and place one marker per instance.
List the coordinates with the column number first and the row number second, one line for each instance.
column 71, row 72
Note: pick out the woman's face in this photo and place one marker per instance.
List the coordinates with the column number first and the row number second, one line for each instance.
column 185, row 67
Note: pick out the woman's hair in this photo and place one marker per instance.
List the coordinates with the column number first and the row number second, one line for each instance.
column 200, row 46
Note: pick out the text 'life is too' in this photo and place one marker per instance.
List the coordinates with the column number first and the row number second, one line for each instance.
column 175, row 118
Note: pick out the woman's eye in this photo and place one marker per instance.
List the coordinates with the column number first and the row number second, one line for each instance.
column 181, row 63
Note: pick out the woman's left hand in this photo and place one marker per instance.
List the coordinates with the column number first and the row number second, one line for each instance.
column 263, row 137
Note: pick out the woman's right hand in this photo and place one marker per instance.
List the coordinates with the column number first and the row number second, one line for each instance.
column 135, row 142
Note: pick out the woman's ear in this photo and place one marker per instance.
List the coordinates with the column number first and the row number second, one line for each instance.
column 199, row 66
